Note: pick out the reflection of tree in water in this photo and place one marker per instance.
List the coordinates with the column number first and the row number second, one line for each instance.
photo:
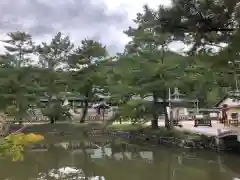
column 54, row 158
column 135, row 152
column 121, row 147
column 231, row 163
column 167, row 163
column 83, row 159
column 21, row 170
column 86, row 160
column 112, row 168
column 199, row 166
column 219, row 166
column 124, row 169
column 113, row 145
column 34, row 163
column 172, row 164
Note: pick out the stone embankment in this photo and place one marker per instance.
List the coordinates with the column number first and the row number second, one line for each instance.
column 201, row 142
column 138, row 137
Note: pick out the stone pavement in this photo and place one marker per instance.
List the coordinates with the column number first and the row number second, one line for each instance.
column 210, row 131
column 189, row 126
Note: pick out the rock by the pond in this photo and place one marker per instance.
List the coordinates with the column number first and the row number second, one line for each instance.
column 67, row 173
column 208, row 143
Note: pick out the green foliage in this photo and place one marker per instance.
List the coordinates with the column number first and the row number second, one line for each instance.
column 52, row 57
column 211, row 30
column 19, row 46
column 55, row 53
column 19, row 89
column 87, row 54
column 14, row 144
column 200, row 22
column 134, row 110
column 150, row 67
column 147, row 67
column 84, row 63
column 55, row 111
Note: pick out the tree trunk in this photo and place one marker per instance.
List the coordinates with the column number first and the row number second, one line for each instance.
column 154, row 122
column 85, row 108
column 84, row 112
column 20, row 121
column 52, row 120
column 167, row 123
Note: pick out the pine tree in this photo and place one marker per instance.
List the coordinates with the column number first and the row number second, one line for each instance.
column 203, row 24
column 148, row 64
column 85, row 62
column 18, row 47
column 54, row 54
column 52, row 58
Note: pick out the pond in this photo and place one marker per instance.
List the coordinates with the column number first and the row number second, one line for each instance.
column 93, row 158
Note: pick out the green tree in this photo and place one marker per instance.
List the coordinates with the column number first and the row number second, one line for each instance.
column 53, row 55
column 17, row 80
column 19, row 90
column 52, row 58
column 152, row 68
column 211, row 30
column 18, row 47
column 204, row 82
column 14, row 144
column 84, row 63
column 200, row 23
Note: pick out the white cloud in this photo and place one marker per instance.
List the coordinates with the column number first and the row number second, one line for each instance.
column 132, row 7
column 135, row 6
column 103, row 20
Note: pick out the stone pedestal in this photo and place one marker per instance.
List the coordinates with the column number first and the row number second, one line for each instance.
column 219, row 141
column 220, row 144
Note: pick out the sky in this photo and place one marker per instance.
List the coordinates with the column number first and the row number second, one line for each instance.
column 102, row 20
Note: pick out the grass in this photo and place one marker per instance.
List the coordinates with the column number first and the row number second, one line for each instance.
column 125, row 127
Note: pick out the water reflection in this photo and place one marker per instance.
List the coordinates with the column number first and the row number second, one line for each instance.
column 116, row 160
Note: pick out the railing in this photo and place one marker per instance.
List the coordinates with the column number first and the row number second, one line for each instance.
column 176, row 123
column 26, row 121
column 231, row 122
column 203, row 122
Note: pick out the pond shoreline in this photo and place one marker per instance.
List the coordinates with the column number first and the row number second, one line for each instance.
column 200, row 142
column 135, row 134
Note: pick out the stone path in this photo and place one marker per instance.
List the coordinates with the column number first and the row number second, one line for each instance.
column 209, row 131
